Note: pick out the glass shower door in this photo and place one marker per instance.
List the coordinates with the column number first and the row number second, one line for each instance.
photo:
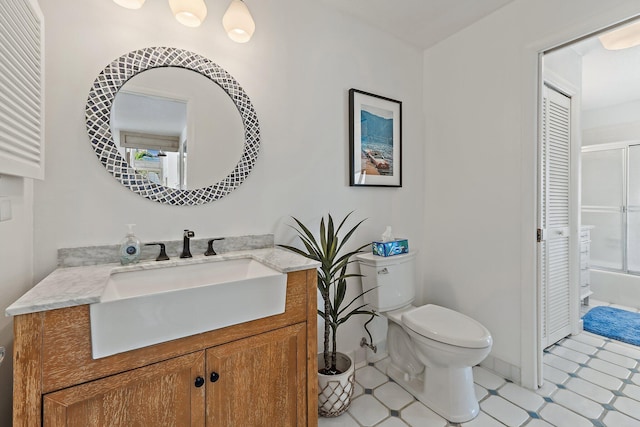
column 633, row 211
column 603, row 202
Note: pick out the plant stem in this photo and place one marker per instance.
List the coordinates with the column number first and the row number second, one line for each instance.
column 334, row 350
column 327, row 325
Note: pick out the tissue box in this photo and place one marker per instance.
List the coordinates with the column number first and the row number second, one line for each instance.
column 393, row 247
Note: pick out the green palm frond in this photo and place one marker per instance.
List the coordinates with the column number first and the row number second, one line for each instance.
column 332, row 276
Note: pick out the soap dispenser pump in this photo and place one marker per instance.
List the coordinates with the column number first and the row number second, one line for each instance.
column 130, row 248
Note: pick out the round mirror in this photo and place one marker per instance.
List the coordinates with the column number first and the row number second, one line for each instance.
column 170, row 125
column 176, row 128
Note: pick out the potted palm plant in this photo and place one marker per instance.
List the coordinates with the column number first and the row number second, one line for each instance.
column 335, row 370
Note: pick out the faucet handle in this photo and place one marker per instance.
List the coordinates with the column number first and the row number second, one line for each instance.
column 189, row 233
column 210, row 250
column 163, row 251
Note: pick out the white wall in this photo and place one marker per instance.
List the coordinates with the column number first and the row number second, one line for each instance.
column 616, row 288
column 614, row 123
column 480, row 92
column 563, row 67
column 297, row 70
column 16, row 272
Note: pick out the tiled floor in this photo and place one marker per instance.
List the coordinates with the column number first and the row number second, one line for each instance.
column 589, row 381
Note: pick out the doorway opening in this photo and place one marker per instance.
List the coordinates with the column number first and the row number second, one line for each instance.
column 602, row 261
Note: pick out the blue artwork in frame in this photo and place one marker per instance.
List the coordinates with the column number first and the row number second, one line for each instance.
column 375, row 140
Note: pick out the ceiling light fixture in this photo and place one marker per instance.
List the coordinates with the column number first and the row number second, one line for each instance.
column 622, row 38
column 237, row 20
column 189, row 12
column 130, row 4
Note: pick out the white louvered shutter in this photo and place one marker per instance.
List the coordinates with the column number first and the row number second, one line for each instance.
column 554, row 217
column 21, row 89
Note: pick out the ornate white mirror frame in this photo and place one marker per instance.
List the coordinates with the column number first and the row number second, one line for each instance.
column 98, row 114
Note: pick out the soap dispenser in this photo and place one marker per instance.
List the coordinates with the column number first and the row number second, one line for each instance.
column 130, row 247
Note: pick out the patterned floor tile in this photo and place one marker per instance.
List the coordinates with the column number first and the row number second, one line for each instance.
column 393, row 422
column 578, row 346
column 418, row 415
column 590, row 339
column 609, row 368
column 600, row 378
column 555, row 375
column 578, row 404
column 562, row 417
column 590, row 390
column 569, row 354
column 367, row 410
column 504, row 411
column 487, row 379
column 524, row 398
column 547, row 389
column 482, row 420
column 343, row 420
column 590, row 381
column 393, row 396
column 560, row 363
column 630, row 407
column 624, row 349
column 370, row 377
column 617, row 359
column 632, row 391
column 618, row 419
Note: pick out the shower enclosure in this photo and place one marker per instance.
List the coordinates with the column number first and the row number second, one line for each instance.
column 611, row 203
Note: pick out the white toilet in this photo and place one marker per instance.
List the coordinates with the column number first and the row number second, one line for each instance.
column 432, row 348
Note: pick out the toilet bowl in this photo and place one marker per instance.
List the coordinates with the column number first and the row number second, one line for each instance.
column 432, row 349
column 449, row 344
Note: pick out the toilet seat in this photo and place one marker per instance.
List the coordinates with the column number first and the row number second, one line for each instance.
column 447, row 326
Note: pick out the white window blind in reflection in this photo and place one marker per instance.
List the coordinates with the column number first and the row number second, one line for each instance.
column 21, row 88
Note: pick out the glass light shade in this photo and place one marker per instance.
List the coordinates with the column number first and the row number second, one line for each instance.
column 238, row 23
column 189, row 12
column 130, row 4
column 622, row 38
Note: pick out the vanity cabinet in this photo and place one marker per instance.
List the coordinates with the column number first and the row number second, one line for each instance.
column 256, row 383
column 162, row 394
column 259, row 373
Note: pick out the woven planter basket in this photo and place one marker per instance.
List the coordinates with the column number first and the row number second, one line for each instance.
column 335, row 391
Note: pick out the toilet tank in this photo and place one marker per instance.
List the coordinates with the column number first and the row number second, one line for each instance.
column 390, row 281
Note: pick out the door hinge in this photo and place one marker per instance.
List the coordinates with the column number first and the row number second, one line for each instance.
column 539, row 235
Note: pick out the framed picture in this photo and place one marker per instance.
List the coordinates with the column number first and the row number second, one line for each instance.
column 375, row 140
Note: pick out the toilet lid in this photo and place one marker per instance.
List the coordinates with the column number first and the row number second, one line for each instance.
column 447, row 326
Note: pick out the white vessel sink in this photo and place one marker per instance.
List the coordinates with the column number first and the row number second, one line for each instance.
column 144, row 307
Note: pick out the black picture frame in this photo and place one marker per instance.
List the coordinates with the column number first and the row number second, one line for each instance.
column 375, row 140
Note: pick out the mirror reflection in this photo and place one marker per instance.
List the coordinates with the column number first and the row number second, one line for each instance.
column 177, row 128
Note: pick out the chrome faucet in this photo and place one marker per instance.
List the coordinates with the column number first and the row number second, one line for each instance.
column 186, row 251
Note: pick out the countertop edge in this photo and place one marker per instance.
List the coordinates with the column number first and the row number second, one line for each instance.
column 73, row 286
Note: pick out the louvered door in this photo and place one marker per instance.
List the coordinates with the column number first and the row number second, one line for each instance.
column 21, row 88
column 554, row 218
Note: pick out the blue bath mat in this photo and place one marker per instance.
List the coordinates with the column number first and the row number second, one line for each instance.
column 613, row 323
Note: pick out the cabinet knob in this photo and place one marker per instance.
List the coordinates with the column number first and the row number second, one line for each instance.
column 199, row 382
column 214, row 377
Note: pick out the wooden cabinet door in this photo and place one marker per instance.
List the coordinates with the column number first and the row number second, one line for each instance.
column 162, row 394
column 258, row 381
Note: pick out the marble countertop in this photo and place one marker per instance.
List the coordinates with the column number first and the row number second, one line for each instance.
column 68, row 287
